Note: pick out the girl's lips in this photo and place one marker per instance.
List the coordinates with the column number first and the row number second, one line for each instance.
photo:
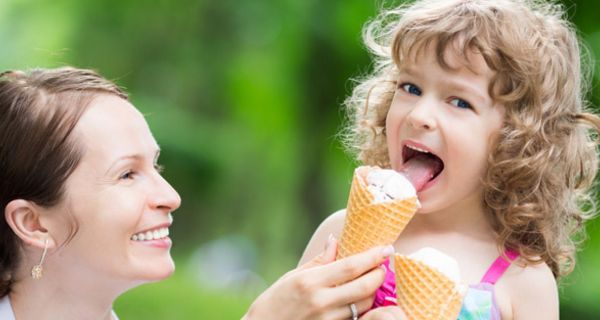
column 420, row 165
column 416, row 147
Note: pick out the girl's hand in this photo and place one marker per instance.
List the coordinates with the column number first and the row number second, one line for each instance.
column 324, row 288
column 385, row 313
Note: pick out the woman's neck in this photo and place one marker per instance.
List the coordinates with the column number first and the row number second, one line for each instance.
column 54, row 297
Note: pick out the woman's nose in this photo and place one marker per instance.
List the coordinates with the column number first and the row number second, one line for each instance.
column 164, row 196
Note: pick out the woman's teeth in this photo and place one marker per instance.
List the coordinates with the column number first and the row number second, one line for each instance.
column 151, row 235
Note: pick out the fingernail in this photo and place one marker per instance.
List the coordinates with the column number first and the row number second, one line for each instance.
column 329, row 242
column 387, row 251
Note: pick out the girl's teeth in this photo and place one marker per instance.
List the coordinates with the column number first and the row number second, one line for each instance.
column 151, row 235
column 418, row 149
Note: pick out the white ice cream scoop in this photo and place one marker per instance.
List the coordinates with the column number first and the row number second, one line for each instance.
column 439, row 261
column 389, row 185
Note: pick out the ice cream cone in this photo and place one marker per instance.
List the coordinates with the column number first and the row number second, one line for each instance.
column 368, row 223
column 425, row 293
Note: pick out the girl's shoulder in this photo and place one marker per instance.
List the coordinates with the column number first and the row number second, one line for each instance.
column 332, row 225
column 528, row 291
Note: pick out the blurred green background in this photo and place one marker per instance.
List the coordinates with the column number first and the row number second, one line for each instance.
column 245, row 99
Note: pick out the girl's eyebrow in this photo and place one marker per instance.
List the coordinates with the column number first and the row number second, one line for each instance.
column 467, row 88
column 409, row 70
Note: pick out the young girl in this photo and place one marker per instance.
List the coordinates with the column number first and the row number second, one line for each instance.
column 486, row 98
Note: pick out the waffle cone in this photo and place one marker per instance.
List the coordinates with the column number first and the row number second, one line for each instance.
column 368, row 225
column 425, row 293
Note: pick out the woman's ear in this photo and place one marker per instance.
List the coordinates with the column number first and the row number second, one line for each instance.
column 23, row 217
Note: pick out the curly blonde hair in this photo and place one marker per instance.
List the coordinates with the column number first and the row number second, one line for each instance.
column 540, row 172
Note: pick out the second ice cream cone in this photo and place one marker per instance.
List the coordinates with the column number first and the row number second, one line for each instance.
column 425, row 293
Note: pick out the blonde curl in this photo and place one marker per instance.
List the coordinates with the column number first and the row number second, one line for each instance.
column 541, row 170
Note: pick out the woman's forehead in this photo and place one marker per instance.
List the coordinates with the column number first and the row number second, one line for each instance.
column 112, row 127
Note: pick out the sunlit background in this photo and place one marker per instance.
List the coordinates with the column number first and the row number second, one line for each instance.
column 245, row 99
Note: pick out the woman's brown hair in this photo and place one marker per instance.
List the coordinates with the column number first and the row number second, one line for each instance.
column 38, row 110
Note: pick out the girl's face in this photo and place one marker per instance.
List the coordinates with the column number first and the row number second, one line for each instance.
column 448, row 113
column 118, row 199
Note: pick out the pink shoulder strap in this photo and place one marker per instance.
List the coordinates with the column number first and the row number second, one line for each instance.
column 499, row 266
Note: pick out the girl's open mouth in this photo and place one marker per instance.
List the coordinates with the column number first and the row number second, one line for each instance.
column 420, row 166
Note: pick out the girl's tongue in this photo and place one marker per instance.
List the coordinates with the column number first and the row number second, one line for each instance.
column 421, row 168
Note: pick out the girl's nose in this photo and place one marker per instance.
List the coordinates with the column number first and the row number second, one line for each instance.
column 422, row 116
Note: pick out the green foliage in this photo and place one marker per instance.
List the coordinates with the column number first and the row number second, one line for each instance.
column 180, row 298
column 245, row 99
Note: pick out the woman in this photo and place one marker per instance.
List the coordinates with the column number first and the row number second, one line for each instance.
column 86, row 211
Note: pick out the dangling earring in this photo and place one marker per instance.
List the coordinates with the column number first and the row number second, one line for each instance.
column 36, row 271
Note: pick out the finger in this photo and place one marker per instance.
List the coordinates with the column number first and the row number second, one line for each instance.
column 385, row 313
column 327, row 256
column 344, row 312
column 349, row 268
column 330, row 250
column 357, row 289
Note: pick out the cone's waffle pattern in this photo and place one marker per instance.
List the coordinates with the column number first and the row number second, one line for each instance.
column 368, row 225
column 425, row 293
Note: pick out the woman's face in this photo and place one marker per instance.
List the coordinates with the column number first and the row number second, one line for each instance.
column 117, row 197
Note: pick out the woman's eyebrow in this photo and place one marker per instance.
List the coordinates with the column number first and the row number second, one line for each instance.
column 156, row 153
column 123, row 158
column 132, row 157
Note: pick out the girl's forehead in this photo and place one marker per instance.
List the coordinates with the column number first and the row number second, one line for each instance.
column 449, row 57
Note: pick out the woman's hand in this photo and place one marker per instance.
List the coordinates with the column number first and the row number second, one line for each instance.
column 324, row 288
column 385, row 313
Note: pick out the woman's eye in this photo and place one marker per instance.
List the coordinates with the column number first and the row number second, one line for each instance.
column 461, row 103
column 411, row 89
column 127, row 175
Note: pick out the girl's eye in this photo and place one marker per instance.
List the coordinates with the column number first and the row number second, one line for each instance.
column 127, row 175
column 411, row 89
column 461, row 103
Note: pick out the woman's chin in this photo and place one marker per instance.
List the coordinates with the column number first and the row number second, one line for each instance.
column 157, row 272
column 165, row 272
